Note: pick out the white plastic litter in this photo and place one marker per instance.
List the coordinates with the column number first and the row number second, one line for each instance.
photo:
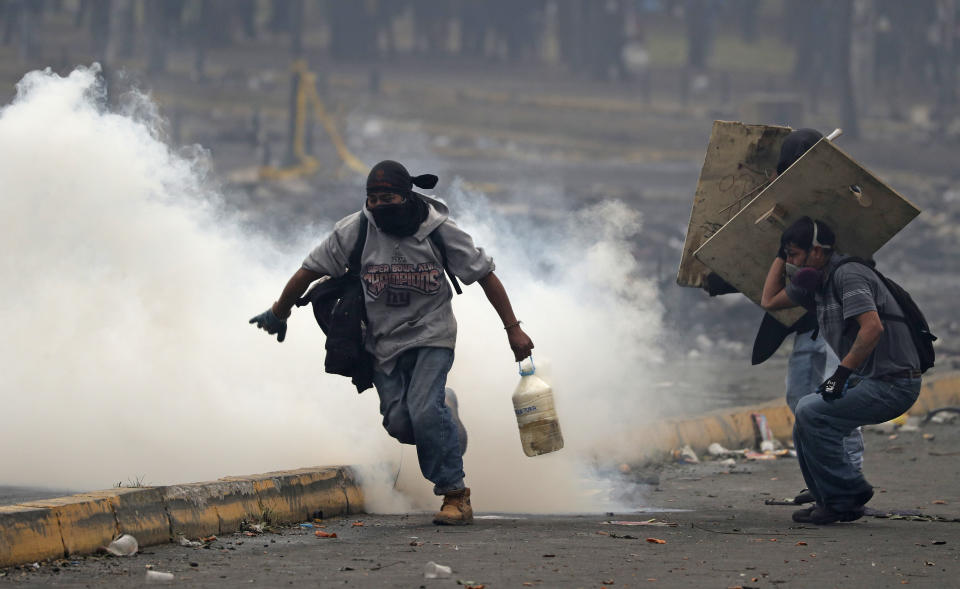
column 944, row 418
column 125, row 545
column 184, row 541
column 433, row 570
column 727, row 462
column 686, row 455
column 158, row 577
column 716, row 449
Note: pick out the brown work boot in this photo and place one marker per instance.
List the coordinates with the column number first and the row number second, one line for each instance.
column 456, row 509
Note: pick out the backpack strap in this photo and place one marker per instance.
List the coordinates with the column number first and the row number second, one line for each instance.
column 353, row 262
column 442, row 247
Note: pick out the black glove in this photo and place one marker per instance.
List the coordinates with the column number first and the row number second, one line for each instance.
column 269, row 322
column 782, row 252
column 834, row 387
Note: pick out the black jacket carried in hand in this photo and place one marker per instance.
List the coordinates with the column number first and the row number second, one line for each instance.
column 340, row 311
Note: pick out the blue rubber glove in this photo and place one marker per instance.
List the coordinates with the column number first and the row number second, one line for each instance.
column 269, row 322
column 834, row 387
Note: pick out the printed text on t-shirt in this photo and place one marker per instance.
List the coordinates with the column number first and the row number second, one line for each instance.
column 424, row 278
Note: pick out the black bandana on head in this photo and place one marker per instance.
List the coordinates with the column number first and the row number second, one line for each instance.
column 391, row 176
column 403, row 219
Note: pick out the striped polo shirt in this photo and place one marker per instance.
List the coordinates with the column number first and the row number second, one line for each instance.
column 854, row 290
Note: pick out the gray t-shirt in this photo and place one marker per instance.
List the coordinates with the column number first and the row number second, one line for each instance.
column 860, row 290
column 406, row 292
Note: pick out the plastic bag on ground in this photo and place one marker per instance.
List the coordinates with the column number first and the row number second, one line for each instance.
column 124, row 545
column 433, row 570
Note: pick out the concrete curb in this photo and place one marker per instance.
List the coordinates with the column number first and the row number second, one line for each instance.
column 733, row 428
column 81, row 524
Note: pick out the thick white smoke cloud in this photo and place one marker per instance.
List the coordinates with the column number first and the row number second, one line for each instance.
column 128, row 354
column 127, row 351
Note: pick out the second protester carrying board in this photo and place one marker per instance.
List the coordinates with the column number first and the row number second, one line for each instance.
column 825, row 184
column 740, row 161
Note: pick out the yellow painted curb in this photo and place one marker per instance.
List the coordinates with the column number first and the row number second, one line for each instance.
column 733, row 428
column 940, row 391
column 28, row 534
column 353, row 489
column 193, row 507
column 139, row 512
column 302, row 494
column 83, row 523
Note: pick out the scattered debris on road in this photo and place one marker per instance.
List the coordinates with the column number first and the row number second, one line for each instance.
column 649, row 522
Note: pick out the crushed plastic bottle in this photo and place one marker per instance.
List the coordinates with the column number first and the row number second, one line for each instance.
column 536, row 414
column 433, row 570
column 125, row 545
column 158, row 577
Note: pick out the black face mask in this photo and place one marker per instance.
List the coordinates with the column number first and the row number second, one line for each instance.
column 400, row 220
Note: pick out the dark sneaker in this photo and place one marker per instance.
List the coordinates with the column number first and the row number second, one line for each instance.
column 805, row 496
column 454, row 405
column 854, row 514
column 802, row 516
column 822, row 516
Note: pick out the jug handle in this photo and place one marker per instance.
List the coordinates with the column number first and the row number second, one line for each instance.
column 532, row 370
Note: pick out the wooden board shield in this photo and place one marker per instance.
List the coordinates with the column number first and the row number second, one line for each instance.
column 825, row 184
column 740, row 161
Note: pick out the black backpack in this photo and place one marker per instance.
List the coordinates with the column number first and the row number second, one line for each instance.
column 340, row 311
column 912, row 315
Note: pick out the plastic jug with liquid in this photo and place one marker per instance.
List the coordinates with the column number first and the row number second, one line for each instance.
column 536, row 414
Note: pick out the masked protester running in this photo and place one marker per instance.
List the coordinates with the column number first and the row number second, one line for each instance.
column 878, row 377
column 410, row 327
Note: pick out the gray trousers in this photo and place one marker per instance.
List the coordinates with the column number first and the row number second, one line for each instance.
column 821, row 426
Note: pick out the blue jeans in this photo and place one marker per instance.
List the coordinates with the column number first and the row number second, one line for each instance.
column 810, row 363
column 821, row 426
column 414, row 412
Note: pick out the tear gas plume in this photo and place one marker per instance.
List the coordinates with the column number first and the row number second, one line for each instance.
column 128, row 354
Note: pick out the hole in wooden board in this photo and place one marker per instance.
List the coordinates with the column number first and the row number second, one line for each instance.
column 862, row 198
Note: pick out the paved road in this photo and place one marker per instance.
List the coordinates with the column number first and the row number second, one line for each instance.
column 727, row 537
